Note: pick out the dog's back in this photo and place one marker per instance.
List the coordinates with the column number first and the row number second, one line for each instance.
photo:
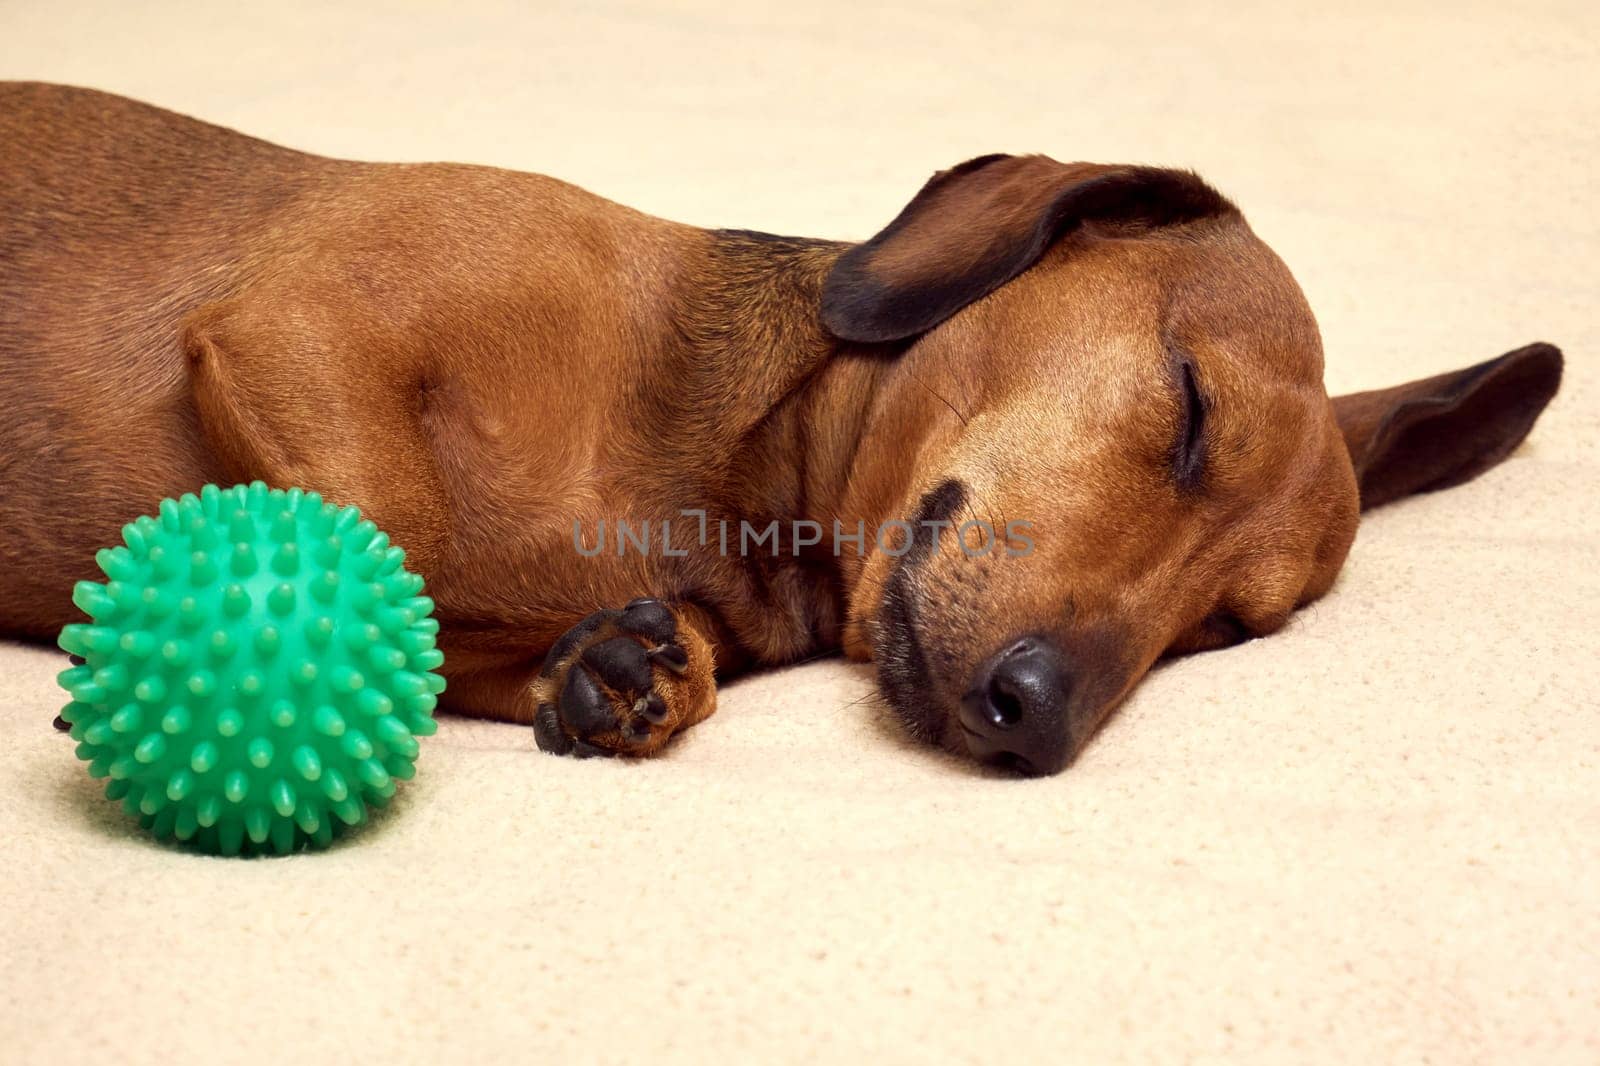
column 116, row 218
column 121, row 223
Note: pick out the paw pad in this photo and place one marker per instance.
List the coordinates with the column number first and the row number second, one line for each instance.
column 605, row 681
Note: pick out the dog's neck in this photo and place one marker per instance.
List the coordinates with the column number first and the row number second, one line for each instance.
column 805, row 401
column 788, row 406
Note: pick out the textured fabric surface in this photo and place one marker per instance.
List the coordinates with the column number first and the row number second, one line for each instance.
column 1375, row 837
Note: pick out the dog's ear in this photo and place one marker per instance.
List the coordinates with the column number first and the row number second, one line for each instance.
column 1441, row 431
column 976, row 226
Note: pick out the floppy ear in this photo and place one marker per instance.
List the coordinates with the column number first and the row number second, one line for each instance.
column 1441, row 431
column 976, row 226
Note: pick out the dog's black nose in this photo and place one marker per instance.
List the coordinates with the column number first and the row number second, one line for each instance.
column 1016, row 712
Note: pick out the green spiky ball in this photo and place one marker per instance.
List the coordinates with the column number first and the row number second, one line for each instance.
column 256, row 670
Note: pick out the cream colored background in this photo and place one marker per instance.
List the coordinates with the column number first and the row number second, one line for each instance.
column 1373, row 838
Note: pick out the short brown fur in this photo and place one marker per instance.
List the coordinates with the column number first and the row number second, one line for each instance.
column 482, row 359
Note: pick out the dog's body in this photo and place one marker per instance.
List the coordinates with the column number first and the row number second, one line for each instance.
column 484, row 360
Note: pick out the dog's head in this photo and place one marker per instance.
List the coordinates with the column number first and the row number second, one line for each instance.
column 1109, row 433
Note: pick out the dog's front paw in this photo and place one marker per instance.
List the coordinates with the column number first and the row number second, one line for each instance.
column 622, row 682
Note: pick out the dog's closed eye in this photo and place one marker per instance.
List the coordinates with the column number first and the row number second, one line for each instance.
column 1189, row 448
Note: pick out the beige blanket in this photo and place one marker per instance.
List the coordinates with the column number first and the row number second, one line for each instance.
column 1375, row 837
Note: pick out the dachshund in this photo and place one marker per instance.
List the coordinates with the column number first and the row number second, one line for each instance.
column 1054, row 422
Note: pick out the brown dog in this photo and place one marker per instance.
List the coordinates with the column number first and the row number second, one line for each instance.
column 1096, row 373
